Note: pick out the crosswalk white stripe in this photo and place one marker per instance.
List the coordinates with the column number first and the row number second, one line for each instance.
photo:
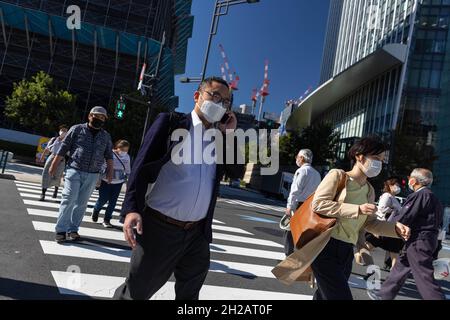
column 116, row 235
column 49, row 194
column 240, row 251
column 88, row 232
column 27, row 183
column 233, row 230
column 260, row 242
column 54, row 214
column 253, row 205
column 39, row 189
column 50, row 205
column 96, row 252
column 57, row 205
column 101, row 286
column 37, row 196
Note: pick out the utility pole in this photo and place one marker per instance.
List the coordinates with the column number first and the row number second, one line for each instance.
column 148, row 86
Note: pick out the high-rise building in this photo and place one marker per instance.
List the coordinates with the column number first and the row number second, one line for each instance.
column 391, row 76
column 331, row 39
column 103, row 57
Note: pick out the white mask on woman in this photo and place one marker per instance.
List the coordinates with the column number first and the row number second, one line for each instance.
column 372, row 169
column 213, row 112
column 396, row 190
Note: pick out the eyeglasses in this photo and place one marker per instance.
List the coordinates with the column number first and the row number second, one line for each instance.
column 217, row 98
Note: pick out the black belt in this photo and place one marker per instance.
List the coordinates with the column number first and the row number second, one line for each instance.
column 181, row 224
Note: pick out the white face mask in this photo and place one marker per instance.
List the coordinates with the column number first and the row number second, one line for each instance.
column 213, row 112
column 411, row 186
column 396, row 190
column 373, row 169
column 62, row 133
column 122, row 153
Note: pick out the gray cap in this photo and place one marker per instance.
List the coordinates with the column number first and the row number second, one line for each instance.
column 99, row 110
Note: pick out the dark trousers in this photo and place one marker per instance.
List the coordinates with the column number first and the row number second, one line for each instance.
column 288, row 243
column 288, row 240
column 417, row 258
column 161, row 251
column 332, row 270
column 108, row 193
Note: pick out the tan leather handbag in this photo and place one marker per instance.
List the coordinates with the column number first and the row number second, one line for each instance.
column 307, row 225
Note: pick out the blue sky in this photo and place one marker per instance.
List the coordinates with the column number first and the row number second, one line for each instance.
column 289, row 33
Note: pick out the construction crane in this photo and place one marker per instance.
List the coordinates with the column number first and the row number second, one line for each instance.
column 264, row 92
column 233, row 78
column 255, row 97
column 303, row 97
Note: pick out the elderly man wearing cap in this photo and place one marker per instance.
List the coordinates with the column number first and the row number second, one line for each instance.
column 88, row 145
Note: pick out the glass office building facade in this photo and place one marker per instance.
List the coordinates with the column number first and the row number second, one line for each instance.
column 405, row 100
column 101, row 59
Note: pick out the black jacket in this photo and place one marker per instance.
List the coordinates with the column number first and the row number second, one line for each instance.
column 154, row 154
column 422, row 212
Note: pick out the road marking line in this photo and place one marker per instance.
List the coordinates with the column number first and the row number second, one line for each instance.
column 101, row 286
column 39, row 189
column 247, row 252
column 261, row 242
column 118, row 235
column 57, row 205
column 96, row 252
column 36, row 196
column 253, row 205
column 55, row 214
column 48, row 194
column 86, row 232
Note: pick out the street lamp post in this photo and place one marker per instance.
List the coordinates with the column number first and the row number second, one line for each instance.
column 220, row 9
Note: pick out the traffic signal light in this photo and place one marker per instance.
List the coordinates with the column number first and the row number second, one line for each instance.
column 120, row 109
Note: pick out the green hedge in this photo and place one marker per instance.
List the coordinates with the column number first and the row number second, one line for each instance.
column 19, row 149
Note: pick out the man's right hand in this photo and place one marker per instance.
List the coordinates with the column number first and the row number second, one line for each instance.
column 132, row 220
column 368, row 209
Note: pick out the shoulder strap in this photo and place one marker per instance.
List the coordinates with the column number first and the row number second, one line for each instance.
column 124, row 168
column 342, row 183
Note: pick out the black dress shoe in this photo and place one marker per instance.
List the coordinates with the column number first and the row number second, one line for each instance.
column 94, row 216
column 60, row 237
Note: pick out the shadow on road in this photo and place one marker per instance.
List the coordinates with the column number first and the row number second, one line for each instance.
column 21, row 290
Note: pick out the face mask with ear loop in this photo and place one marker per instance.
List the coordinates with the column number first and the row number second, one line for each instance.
column 373, row 168
column 213, row 112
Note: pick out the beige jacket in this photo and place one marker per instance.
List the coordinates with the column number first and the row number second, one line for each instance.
column 296, row 266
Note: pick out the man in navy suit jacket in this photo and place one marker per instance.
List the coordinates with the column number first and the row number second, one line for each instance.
column 423, row 213
column 172, row 205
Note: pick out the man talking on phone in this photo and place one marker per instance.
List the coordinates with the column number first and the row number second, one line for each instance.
column 168, row 209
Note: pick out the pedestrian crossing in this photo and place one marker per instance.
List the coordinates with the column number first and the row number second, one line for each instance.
column 237, row 256
column 253, row 205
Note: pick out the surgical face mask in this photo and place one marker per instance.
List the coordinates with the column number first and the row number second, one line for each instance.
column 62, row 133
column 122, row 153
column 213, row 112
column 411, row 186
column 372, row 168
column 396, row 190
column 299, row 163
column 97, row 123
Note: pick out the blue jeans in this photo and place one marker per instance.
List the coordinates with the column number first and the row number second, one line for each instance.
column 78, row 188
column 108, row 193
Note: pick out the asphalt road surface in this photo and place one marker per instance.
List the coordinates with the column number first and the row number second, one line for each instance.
column 247, row 245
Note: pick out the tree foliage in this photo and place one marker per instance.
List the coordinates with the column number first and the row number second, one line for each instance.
column 38, row 104
column 320, row 138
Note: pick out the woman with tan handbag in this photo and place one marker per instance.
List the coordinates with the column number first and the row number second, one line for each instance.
column 354, row 211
